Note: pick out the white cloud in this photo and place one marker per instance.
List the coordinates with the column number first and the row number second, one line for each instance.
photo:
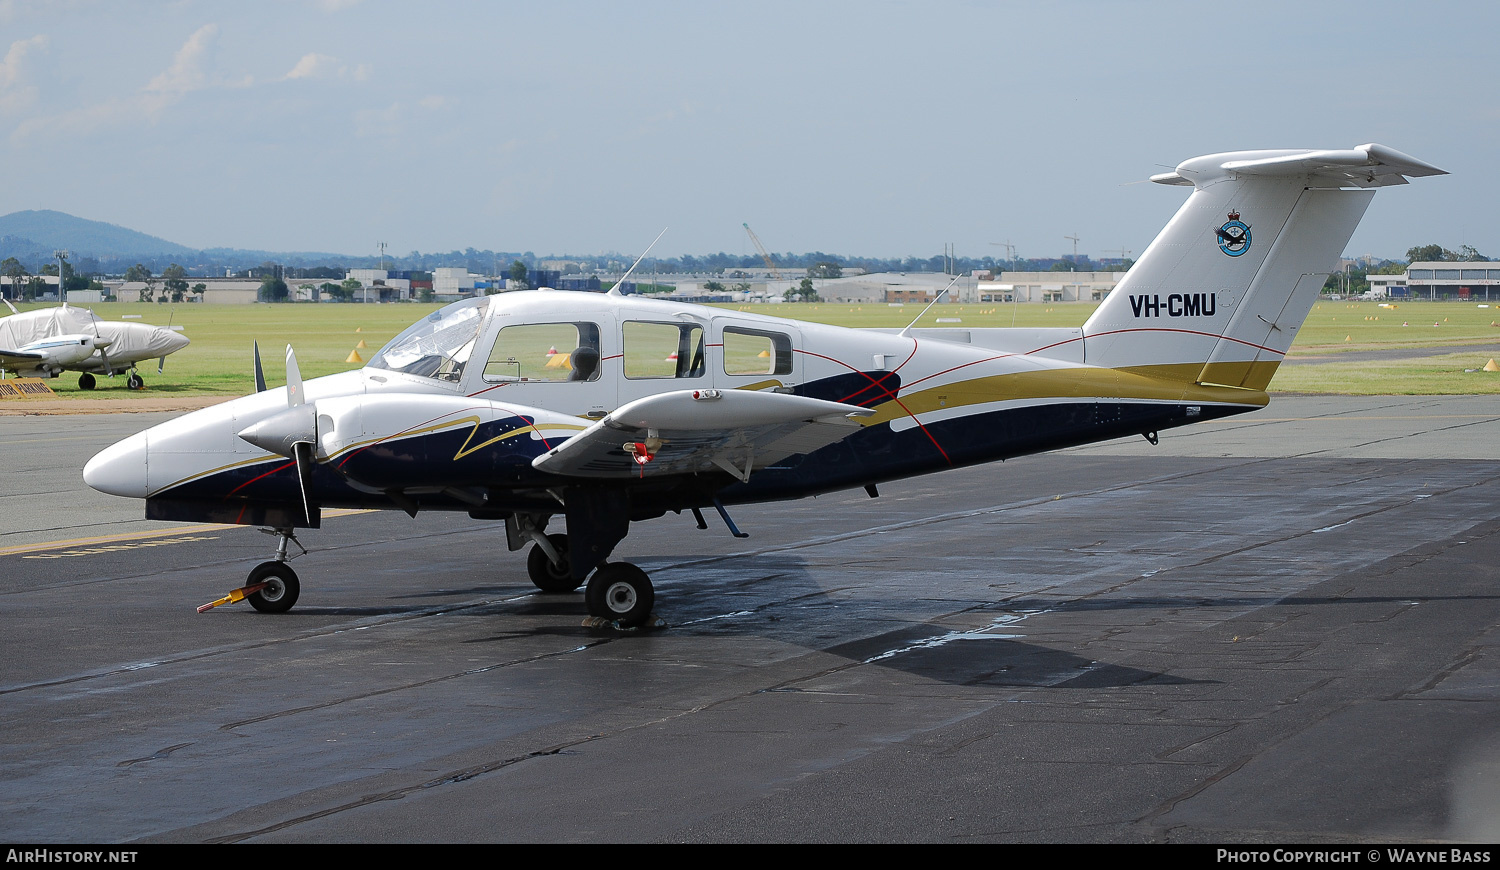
column 15, row 93
column 186, row 74
column 319, row 66
column 313, row 65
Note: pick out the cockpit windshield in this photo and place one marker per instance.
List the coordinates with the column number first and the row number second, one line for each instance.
column 437, row 346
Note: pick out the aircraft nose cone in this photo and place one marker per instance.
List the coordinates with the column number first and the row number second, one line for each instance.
column 119, row 469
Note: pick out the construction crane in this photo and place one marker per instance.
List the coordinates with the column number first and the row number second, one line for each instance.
column 764, row 254
column 1010, row 251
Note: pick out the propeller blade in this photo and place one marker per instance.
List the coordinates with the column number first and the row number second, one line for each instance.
column 302, row 451
column 161, row 365
column 260, row 375
column 294, row 395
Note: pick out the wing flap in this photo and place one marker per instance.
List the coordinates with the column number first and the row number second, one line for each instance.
column 694, row 431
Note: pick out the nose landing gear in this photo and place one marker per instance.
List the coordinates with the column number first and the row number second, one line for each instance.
column 272, row 587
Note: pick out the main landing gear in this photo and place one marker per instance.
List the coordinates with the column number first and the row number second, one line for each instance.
column 618, row 591
column 134, row 381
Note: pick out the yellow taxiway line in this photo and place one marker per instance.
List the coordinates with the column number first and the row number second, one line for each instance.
column 141, row 536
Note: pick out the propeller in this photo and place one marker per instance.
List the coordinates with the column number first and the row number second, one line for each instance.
column 291, row 433
column 302, row 449
column 100, row 343
column 260, row 375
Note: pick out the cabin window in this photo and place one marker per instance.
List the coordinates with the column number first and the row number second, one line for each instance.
column 663, row 350
column 756, row 352
column 544, row 352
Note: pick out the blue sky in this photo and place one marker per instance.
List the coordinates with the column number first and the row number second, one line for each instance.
column 860, row 128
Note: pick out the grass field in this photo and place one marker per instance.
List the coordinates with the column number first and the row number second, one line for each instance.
column 218, row 362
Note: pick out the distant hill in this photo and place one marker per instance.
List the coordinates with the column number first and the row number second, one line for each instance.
column 46, row 231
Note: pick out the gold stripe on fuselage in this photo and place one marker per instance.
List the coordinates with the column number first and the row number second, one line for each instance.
column 1139, row 383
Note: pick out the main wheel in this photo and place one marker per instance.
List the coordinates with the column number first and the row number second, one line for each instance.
column 282, row 591
column 621, row 592
column 85, row 381
column 547, row 576
column 135, row 382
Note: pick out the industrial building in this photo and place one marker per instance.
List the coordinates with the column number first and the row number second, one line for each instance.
column 1452, row 281
column 1048, row 287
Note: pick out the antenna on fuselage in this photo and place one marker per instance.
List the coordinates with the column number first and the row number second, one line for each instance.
column 930, row 304
column 615, row 290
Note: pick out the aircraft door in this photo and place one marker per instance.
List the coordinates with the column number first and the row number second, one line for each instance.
column 753, row 356
column 560, row 366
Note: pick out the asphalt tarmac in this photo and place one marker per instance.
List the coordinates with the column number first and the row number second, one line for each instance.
column 1276, row 628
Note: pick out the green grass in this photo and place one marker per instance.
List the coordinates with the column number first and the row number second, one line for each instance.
column 218, row 362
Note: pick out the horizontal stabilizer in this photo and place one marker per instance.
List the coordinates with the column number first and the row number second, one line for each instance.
column 1369, row 165
column 691, row 431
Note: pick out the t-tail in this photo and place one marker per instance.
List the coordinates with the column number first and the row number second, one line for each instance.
column 1219, row 295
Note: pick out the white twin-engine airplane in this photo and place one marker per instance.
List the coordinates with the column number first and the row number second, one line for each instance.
column 46, row 342
column 608, row 409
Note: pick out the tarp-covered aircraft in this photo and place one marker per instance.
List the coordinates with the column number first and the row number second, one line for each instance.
column 607, row 410
column 46, row 342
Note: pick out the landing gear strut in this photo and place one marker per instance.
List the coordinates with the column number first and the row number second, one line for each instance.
column 135, row 382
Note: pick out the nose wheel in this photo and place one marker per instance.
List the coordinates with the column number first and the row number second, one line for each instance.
column 280, row 591
column 622, row 593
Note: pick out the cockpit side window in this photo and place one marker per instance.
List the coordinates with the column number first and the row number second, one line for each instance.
column 544, row 352
column 437, row 346
column 663, row 350
column 756, row 352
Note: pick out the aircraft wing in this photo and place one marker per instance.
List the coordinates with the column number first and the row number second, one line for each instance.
column 19, row 357
column 691, row 431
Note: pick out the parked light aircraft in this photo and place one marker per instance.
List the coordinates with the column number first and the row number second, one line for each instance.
column 661, row 407
column 49, row 341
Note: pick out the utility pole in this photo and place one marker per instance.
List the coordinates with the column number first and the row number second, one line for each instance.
column 62, row 293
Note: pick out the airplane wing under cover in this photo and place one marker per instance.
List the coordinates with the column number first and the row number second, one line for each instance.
column 19, row 357
column 691, row 431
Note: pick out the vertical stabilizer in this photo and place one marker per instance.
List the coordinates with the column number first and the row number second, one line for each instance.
column 1219, row 295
